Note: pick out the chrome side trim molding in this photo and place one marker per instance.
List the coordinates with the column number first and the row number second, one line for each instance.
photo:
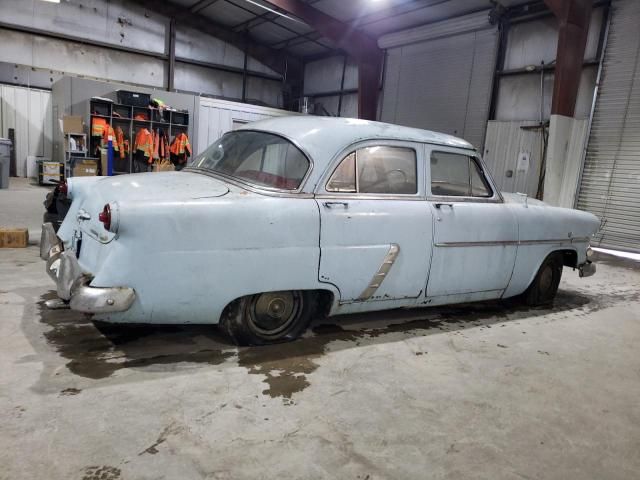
column 498, row 243
column 381, row 274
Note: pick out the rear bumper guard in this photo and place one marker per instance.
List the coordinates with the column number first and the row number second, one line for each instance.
column 587, row 269
column 73, row 286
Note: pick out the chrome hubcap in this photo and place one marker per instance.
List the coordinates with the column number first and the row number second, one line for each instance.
column 272, row 313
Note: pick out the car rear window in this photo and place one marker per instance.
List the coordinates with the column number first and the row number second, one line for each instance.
column 259, row 158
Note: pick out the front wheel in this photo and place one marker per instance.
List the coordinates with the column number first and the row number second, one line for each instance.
column 544, row 287
column 270, row 317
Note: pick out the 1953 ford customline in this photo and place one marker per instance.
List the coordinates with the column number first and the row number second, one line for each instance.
column 291, row 217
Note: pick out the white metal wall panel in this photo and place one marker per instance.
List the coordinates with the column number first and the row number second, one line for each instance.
column 610, row 186
column 218, row 116
column 504, row 144
column 443, row 83
column 28, row 111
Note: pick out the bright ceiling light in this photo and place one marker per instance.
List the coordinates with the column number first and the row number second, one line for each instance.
column 52, row 1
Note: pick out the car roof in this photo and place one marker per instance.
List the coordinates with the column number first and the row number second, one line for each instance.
column 341, row 132
column 324, row 137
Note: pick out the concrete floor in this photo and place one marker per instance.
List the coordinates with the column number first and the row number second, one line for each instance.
column 482, row 391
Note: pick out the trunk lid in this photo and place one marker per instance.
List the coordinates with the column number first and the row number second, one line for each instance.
column 151, row 188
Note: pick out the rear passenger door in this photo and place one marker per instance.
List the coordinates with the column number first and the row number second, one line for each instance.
column 376, row 227
column 475, row 235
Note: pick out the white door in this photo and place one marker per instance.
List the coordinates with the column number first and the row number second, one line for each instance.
column 475, row 235
column 376, row 226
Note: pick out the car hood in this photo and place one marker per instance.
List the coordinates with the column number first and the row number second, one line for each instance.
column 521, row 198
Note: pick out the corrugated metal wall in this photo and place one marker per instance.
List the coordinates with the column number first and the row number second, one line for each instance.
column 439, row 77
column 28, row 111
column 610, row 186
column 37, row 60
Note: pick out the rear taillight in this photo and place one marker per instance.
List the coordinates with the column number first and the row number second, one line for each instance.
column 63, row 188
column 105, row 217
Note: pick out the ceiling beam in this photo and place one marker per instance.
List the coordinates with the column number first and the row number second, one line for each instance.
column 287, row 65
column 362, row 48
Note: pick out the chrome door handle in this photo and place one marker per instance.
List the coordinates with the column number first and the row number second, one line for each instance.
column 440, row 205
column 336, row 204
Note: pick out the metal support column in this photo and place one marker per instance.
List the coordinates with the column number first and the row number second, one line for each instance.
column 171, row 55
column 574, row 17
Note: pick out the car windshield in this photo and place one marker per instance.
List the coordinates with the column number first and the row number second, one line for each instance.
column 256, row 157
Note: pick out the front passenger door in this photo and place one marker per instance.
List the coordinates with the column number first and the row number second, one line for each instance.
column 475, row 235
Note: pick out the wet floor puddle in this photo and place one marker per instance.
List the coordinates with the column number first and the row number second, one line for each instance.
column 97, row 351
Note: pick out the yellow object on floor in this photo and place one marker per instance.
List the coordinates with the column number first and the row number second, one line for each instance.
column 14, row 237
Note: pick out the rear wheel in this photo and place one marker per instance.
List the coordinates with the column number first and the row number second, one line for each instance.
column 544, row 287
column 270, row 317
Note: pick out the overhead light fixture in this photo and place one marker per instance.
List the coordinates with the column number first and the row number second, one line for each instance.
column 52, row 1
column 274, row 11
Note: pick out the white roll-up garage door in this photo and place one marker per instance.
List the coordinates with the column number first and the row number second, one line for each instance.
column 610, row 186
column 439, row 77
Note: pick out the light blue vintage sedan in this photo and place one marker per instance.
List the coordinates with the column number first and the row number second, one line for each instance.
column 293, row 217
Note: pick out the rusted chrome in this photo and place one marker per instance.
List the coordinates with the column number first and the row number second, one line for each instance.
column 67, row 273
column 100, row 300
column 381, row 274
column 587, row 269
column 48, row 239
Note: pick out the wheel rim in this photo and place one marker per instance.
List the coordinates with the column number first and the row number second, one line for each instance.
column 274, row 312
column 546, row 278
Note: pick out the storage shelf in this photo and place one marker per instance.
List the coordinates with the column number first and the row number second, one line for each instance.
column 172, row 122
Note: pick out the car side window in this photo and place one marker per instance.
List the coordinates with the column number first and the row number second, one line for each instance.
column 457, row 175
column 378, row 170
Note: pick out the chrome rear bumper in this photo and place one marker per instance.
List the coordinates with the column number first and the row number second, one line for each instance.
column 73, row 286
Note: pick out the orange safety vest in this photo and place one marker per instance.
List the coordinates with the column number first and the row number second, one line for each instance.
column 109, row 132
column 160, row 146
column 180, row 145
column 123, row 145
column 144, row 143
column 98, row 126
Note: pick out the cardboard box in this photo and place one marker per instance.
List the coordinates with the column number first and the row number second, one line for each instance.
column 72, row 124
column 163, row 167
column 85, row 168
column 14, row 237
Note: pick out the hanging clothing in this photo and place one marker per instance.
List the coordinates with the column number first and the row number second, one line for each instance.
column 121, row 142
column 160, row 145
column 110, row 132
column 98, row 126
column 144, row 144
column 180, row 150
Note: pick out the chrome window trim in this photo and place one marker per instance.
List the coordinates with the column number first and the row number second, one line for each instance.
column 321, row 187
column 495, row 198
column 355, row 196
column 240, row 182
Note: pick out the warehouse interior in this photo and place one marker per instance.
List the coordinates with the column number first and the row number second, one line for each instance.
column 547, row 92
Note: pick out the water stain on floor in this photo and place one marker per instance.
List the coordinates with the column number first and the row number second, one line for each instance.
column 97, row 351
